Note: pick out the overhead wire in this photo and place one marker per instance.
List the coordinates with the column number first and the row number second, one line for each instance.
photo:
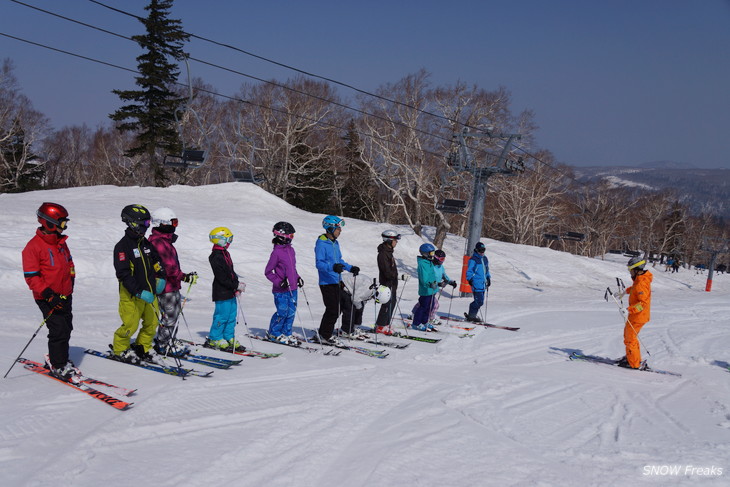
column 234, row 71
column 232, row 98
column 341, row 105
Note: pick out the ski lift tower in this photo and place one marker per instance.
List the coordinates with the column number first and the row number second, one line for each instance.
column 464, row 161
column 714, row 246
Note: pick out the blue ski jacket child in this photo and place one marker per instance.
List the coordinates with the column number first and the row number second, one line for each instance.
column 326, row 255
column 427, row 282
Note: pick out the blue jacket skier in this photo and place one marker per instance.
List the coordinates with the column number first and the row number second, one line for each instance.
column 477, row 274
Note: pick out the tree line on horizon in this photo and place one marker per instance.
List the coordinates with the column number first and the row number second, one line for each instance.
column 382, row 158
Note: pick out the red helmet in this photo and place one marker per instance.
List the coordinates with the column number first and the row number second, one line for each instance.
column 52, row 217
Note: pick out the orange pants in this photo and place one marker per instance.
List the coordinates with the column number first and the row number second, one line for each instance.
column 631, row 340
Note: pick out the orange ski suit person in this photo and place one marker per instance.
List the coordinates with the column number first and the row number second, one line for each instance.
column 639, row 309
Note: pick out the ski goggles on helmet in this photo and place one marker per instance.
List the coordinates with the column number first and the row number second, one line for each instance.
column 173, row 222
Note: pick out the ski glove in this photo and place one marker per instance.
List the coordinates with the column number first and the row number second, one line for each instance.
column 443, row 284
column 355, row 270
column 403, row 277
column 489, row 282
column 471, row 282
column 54, row 300
column 241, row 287
column 146, row 296
column 191, row 277
column 160, row 285
column 338, row 268
column 300, row 282
column 284, row 283
column 452, row 283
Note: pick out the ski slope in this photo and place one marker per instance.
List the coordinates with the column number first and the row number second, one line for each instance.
column 500, row 408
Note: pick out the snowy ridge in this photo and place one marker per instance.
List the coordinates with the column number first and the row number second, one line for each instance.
column 501, row 408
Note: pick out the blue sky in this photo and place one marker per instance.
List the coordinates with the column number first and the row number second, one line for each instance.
column 610, row 82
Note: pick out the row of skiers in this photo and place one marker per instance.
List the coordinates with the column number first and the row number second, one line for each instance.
column 150, row 280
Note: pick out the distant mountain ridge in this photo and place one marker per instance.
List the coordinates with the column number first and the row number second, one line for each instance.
column 704, row 190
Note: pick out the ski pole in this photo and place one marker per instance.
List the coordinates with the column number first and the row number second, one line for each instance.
column 626, row 318
column 451, row 299
column 27, row 344
column 397, row 303
column 352, row 305
column 248, row 332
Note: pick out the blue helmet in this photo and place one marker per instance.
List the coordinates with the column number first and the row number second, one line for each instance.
column 331, row 222
column 427, row 250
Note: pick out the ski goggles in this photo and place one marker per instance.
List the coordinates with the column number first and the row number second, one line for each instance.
column 173, row 222
column 289, row 236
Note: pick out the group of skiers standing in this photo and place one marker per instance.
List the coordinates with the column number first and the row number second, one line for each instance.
column 150, row 280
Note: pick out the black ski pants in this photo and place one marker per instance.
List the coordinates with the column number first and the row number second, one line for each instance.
column 59, row 324
column 331, row 298
column 386, row 310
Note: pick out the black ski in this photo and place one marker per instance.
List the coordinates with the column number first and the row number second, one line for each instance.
column 176, row 371
column 330, row 351
column 609, row 361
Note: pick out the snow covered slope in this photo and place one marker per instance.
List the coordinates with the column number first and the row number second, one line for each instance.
column 499, row 408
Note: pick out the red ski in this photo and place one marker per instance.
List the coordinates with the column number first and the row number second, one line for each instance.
column 83, row 387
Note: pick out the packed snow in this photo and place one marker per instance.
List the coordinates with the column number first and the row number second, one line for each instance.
column 499, row 408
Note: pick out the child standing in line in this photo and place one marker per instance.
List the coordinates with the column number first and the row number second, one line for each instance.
column 164, row 223
column 141, row 276
column 427, row 287
column 281, row 270
column 226, row 288
column 442, row 279
column 50, row 273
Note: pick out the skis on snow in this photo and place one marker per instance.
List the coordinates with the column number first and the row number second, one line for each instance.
column 247, row 353
column 83, row 385
column 163, row 369
column 609, row 361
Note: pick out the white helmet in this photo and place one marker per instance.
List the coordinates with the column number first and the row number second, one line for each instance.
column 382, row 294
column 164, row 216
column 390, row 235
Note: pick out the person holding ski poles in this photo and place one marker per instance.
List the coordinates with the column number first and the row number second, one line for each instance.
column 141, row 277
column 427, row 287
column 639, row 311
column 164, row 223
column 477, row 274
column 330, row 265
column 50, row 273
column 226, row 288
column 388, row 276
column 281, row 270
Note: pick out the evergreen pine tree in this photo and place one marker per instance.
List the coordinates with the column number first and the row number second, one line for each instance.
column 150, row 111
column 357, row 186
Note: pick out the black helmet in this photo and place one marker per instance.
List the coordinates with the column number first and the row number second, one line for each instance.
column 439, row 257
column 636, row 263
column 479, row 247
column 283, row 232
column 137, row 218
